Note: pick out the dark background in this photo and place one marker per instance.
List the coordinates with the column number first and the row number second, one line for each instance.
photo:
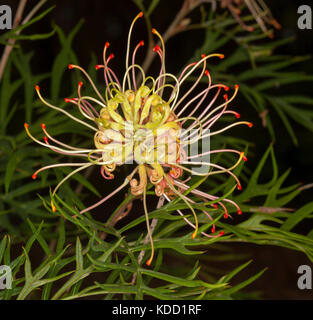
column 109, row 21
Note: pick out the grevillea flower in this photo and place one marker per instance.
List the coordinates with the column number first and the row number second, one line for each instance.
column 151, row 127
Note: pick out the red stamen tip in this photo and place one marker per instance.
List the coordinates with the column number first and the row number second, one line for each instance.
column 70, row 66
column 98, row 66
column 237, row 86
column 45, row 139
column 239, row 186
column 213, row 229
column 26, row 125
column 141, row 43
column 207, row 73
column 215, row 206
column 221, row 56
column 43, row 126
column 226, row 215
column 67, row 100
column 37, row 88
column 239, row 212
column 250, row 124
column 237, row 115
column 107, row 44
column 222, row 233
column 156, row 48
column 34, row 176
column 203, row 55
column 226, row 96
column 226, row 88
column 245, row 159
column 80, row 84
column 111, row 56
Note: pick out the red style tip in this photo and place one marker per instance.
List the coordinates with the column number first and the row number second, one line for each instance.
column 34, row 176
column 141, row 43
column 156, row 48
column 237, row 86
column 237, row 115
column 80, row 84
column 221, row 233
column 45, row 139
column 26, row 125
column 207, row 73
column 37, row 88
column 239, row 186
column 43, row 126
column 226, row 96
column 107, row 44
column 148, row 263
column 245, row 159
column 70, row 66
column 239, row 212
column 250, row 124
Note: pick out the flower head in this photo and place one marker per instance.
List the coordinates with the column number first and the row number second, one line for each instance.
column 151, row 124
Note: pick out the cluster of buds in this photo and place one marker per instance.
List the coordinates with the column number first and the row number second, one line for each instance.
column 152, row 125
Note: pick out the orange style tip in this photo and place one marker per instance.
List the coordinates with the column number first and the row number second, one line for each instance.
column 250, row 124
column 54, row 209
column 239, row 186
column 37, row 88
column 237, row 115
column 239, row 212
column 141, row 43
column 237, row 86
column 193, row 235
column 148, row 263
column 221, row 56
column 43, row 126
column 140, row 14
column 207, row 73
column 154, row 31
column 80, row 84
column 70, row 66
column 34, row 176
column 221, row 233
column 107, row 44
column 111, row 56
column 26, row 125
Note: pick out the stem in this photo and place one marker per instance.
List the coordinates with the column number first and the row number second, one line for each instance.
column 152, row 227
